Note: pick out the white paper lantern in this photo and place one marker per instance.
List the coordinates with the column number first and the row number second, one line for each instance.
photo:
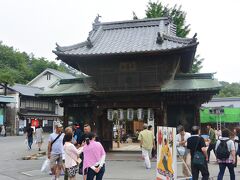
column 110, row 114
column 140, row 114
column 150, row 114
column 120, row 114
column 130, row 114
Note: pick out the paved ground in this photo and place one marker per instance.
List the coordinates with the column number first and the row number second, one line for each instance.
column 119, row 166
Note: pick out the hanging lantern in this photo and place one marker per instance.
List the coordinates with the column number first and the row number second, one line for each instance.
column 140, row 114
column 110, row 114
column 130, row 114
column 150, row 114
column 120, row 114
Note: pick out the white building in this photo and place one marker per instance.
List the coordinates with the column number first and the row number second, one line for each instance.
column 225, row 102
column 47, row 80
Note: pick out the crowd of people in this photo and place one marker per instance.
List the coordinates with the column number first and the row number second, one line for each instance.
column 75, row 152
column 195, row 151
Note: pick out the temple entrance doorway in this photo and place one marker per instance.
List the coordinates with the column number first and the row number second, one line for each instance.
column 126, row 126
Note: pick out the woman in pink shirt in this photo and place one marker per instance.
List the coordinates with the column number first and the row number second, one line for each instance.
column 94, row 158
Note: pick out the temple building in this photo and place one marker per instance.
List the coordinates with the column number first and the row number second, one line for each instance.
column 137, row 68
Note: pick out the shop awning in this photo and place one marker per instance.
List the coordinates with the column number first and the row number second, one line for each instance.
column 7, row 99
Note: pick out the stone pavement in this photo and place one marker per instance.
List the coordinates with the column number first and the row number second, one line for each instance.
column 119, row 165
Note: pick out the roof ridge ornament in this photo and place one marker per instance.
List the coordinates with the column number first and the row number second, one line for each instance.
column 96, row 20
column 159, row 38
column 89, row 43
column 194, row 38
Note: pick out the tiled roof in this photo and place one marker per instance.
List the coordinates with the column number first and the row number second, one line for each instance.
column 192, row 82
column 26, row 90
column 69, row 87
column 189, row 83
column 60, row 74
column 135, row 36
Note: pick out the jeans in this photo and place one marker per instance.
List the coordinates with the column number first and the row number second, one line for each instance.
column 146, row 155
column 30, row 142
column 222, row 167
column 210, row 147
column 202, row 168
column 91, row 174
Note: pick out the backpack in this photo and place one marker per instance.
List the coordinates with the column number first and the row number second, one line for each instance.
column 222, row 152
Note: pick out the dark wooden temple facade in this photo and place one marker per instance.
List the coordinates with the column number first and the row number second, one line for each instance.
column 133, row 64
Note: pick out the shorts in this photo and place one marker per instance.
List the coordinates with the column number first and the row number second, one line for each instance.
column 56, row 159
column 72, row 171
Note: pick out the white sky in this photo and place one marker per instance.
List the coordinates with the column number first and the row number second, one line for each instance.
column 34, row 26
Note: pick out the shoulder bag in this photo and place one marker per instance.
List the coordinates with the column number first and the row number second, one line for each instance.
column 55, row 141
column 198, row 157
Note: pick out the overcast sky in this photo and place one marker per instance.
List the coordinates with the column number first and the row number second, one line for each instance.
column 34, row 26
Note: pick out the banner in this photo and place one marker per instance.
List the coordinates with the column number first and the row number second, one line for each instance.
column 166, row 153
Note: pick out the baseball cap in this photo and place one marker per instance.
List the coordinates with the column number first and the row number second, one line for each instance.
column 59, row 125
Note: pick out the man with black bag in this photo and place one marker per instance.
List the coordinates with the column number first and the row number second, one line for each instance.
column 199, row 157
column 225, row 152
column 55, row 151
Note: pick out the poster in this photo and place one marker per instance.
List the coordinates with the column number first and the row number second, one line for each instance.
column 166, row 154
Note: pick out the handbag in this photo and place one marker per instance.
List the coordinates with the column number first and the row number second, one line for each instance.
column 198, row 157
column 181, row 151
column 46, row 166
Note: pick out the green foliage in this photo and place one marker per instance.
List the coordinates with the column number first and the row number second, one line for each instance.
column 178, row 16
column 156, row 10
column 19, row 67
column 229, row 90
column 197, row 64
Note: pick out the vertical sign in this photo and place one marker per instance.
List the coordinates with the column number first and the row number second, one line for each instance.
column 166, row 154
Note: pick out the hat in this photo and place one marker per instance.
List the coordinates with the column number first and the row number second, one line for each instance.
column 59, row 125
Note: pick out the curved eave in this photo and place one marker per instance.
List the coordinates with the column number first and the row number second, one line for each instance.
column 64, row 94
column 58, row 53
column 216, row 89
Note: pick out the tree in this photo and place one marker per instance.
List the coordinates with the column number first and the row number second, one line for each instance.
column 229, row 89
column 19, row 67
column 157, row 9
column 197, row 64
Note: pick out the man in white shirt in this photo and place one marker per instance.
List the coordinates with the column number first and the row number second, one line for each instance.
column 182, row 150
column 226, row 161
column 55, row 151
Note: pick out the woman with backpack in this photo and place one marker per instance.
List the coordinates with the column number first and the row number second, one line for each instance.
column 225, row 153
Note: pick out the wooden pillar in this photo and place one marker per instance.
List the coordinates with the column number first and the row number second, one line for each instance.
column 65, row 116
column 197, row 115
column 164, row 111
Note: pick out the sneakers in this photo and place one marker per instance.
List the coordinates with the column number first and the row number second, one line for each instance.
column 54, row 178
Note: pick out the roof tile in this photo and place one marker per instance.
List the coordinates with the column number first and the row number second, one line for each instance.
column 129, row 37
